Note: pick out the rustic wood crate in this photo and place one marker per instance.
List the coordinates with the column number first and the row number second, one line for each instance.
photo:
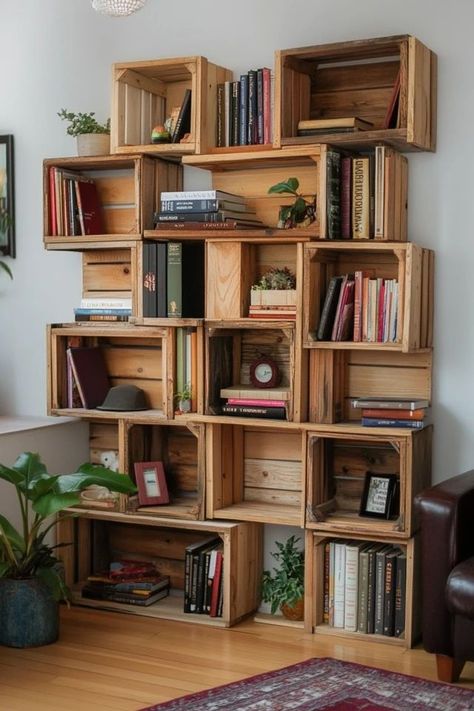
column 129, row 188
column 145, row 92
column 100, row 537
column 315, row 542
column 255, row 473
column 338, row 463
column 357, row 78
column 411, row 265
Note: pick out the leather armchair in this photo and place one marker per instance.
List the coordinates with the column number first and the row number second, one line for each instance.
column 447, row 569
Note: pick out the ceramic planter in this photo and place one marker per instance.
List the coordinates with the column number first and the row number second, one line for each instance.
column 295, row 611
column 93, row 144
column 273, row 297
column 29, row 613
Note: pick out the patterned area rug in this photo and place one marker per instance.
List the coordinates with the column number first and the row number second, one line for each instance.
column 329, row 685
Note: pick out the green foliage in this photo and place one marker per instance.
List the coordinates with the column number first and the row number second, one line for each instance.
column 301, row 212
column 5, row 222
column 277, row 278
column 83, row 123
column 25, row 554
column 287, row 186
column 287, row 583
column 185, row 393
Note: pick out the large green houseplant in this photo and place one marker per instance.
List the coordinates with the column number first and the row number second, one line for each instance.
column 31, row 583
column 284, row 589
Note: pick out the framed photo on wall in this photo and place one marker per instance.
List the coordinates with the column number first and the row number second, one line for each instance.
column 151, row 483
column 7, row 197
column 380, row 496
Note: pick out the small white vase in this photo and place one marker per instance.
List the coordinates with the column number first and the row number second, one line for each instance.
column 93, row 144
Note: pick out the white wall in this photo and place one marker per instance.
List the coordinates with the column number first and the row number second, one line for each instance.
column 58, row 53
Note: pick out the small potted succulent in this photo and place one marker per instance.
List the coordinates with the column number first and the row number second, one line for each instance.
column 183, row 399
column 284, row 590
column 93, row 138
column 277, row 287
column 301, row 213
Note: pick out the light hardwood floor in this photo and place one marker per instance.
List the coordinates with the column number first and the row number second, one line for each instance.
column 111, row 661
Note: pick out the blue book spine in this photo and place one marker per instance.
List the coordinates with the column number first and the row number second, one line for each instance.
column 376, row 422
column 115, row 312
column 244, row 109
column 252, row 102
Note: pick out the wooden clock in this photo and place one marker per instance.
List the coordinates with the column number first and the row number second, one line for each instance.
column 264, row 372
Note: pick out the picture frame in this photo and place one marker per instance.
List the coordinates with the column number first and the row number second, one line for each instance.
column 7, row 197
column 380, row 496
column 151, row 482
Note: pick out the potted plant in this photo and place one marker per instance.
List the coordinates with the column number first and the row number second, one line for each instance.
column 183, row 398
column 299, row 214
column 284, row 589
column 277, row 287
column 93, row 138
column 31, row 583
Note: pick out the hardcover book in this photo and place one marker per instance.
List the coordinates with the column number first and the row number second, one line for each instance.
column 90, row 373
column 89, row 208
column 183, row 123
column 185, row 279
column 360, row 198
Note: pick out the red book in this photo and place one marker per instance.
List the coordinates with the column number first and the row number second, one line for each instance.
column 90, row 208
column 52, row 202
column 267, row 107
column 216, row 584
column 381, row 312
column 90, row 373
column 395, row 414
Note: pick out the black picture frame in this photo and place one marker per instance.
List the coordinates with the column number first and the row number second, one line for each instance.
column 7, row 197
column 380, row 496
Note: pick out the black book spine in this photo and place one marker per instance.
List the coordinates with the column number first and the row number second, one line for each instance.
column 400, row 593
column 259, row 105
column 194, row 582
column 252, row 120
column 389, row 597
column 161, row 286
column 379, row 590
column 333, row 195
column 149, row 280
column 276, row 413
column 192, row 280
column 235, row 112
column 171, row 206
column 220, row 128
column 187, row 581
column 184, row 118
column 244, row 109
column 371, row 593
column 328, row 312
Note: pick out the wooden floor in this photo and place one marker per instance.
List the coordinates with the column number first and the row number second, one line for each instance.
column 107, row 660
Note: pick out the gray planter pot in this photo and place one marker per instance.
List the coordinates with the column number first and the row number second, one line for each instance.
column 29, row 615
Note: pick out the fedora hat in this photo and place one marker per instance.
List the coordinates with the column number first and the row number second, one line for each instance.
column 124, row 397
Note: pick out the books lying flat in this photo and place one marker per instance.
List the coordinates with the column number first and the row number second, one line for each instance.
column 183, row 206
column 389, row 403
column 395, row 414
column 246, row 391
column 385, row 422
column 351, row 122
column 272, row 413
column 193, row 225
column 125, row 598
column 200, row 195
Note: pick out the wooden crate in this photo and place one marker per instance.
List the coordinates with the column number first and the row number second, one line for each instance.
column 338, row 463
column 315, row 543
column 357, row 78
column 129, row 188
column 145, row 92
column 411, row 265
column 255, row 473
column 134, row 355
column 100, row 537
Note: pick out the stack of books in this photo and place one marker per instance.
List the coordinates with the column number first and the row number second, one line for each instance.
column 204, row 209
column 365, row 587
column 346, row 124
column 393, row 412
column 244, row 110
column 285, row 312
column 104, row 309
column 74, row 204
column 245, row 401
column 128, row 582
column 203, row 577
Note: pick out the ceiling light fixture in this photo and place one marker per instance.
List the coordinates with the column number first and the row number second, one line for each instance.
column 117, row 8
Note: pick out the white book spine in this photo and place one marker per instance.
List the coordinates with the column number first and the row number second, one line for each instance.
column 339, row 583
column 350, row 588
column 106, row 303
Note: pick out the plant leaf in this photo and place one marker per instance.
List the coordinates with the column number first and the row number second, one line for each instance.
column 53, row 579
column 52, row 503
column 11, row 475
column 32, row 468
column 88, row 474
column 293, row 184
column 4, row 569
column 17, row 541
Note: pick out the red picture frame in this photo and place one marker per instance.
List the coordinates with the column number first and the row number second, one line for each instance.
column 151, row 482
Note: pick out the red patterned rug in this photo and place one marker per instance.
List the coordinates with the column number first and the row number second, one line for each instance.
column 327, row 685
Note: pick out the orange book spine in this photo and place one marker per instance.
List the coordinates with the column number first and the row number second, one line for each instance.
column 395, row 414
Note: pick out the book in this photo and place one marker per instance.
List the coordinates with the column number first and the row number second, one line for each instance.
column 260, row 106
column 89, row 208
column 161, row 279
column 105, row 303
column 396, row 414
column 400, row 594
column 333, row 195
column 328, row 312
column 360, row 197
column 243, row 109
column 381, row 422
column 390, row 403
column 105, row 312
column 220, row 130
column 371, row 554
column 185, row 279
column 217, row 584
column 389, row 593
column 149, row 279
column 190, row 582
column 256, row 402
column 276, row 413
column 363, row 588
column 332, row 548
column 351, row 584
column 220, row 215
column 90, row 373
column 195, row 225
column 252, row 138
column 342, row 122
column 171, row 206
column 380, row 557
column 327, row 556
column 346, row 197
column 200, row 195
column 125, row 598
column 339, row 582
column 73, row 396
column 235, row 113
column 101, row 317
column 183, row 122
column 247, row 391
column 267, row 109
column 227, row 112
column 391, row 114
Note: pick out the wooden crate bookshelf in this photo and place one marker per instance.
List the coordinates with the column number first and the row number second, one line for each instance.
column 129, row 188
column 255, row 473
column 338, row 463
column 145, row 92
column 410, row 265
column 102, row 536
column 315, row 542
column 357, row 78
column 140, row 356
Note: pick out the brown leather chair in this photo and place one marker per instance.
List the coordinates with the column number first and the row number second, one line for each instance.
column 447, row 567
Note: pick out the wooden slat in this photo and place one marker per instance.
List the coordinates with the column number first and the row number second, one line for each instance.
column 273, row 474
column 419, row 94
column 272, row 496
column 272, row 444
column 136, row 362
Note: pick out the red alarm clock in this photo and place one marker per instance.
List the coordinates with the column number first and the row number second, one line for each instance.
column 264, row 372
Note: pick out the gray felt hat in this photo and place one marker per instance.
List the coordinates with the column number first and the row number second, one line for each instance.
column 124, row 397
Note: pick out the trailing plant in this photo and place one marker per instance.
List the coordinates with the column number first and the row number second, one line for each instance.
column 302, row 212
column 25, row 553
column 286, row 585
column 277, row 278
column 5, row 222
column 81, row 123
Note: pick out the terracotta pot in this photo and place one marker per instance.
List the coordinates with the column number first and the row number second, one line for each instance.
column 93, row 144
column 295, row 611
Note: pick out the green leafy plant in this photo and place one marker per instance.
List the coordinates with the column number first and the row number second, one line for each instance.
column 185, row 393
column 277, row 278
column 286, row 585
column 81, row 123
column 25, row 553
column 301, row 212
column 5, row 222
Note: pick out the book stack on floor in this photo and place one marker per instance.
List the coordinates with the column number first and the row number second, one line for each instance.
column 204, row 209
column 245, row 401
column 128, row 582
column 203, row 577
column 74, row 205
column 104, row 309
column 393, row 412
column 244, row 110
column 365, row 587
column 359, row 308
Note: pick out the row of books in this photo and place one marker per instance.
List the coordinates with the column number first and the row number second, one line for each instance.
column 365, row 587
column 244, row 110
column 186, row 363
column 219, row 208
column 104, row 309
column 359, row 308
column 366, row 195
column 74, row 204
column 173, row 279
column 203, row 577
column 129, row 583
column 268, row 403
column 393, row 412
